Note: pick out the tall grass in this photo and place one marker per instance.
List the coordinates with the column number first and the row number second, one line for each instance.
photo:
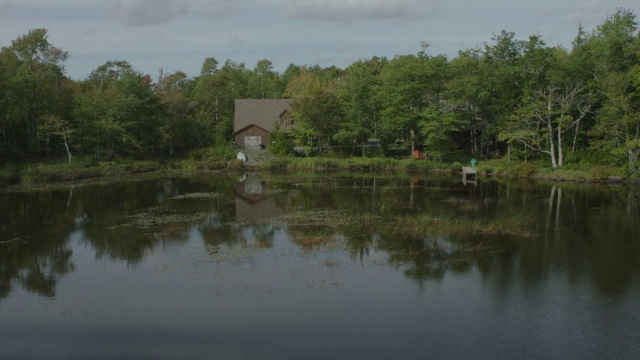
column 354, row 164
column 9, row 174
column 410, row 226
column 43, row 173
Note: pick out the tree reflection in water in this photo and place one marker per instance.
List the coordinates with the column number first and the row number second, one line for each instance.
column 34, row 252
column 428, row 227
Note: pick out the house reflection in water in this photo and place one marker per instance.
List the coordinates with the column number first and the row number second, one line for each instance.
column 252, row 200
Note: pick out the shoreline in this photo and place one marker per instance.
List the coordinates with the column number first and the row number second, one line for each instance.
column 65, row 179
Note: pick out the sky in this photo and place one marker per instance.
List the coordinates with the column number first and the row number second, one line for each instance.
column 178, row 35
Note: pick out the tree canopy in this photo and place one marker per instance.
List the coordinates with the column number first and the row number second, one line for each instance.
column 511, row 97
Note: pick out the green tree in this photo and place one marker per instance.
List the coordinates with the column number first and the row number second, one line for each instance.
column 315, row 105
column 410, row 85
column 52, row 125
column 214, row 95
column 500, row 87
column 34, row 86
column 402, row 95
column 462, row 95
column 320, row 112
column 281, row 142
column 264, row 82
column 616, row 46
column 361, row 106
column 118, row 112
column 552, row 103
column 209, row 66
column 180, row 131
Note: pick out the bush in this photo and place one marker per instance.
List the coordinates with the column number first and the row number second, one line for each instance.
column 281, row 143
column 235, row 164
column 194, row 165
column 327, row 164
column 223, row 153
column 43, row 173
column 522, row 170
column 599, row 173
column 279, row 163
column 455, row 168
column 9, row 175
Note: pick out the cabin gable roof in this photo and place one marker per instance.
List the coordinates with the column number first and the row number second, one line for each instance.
column 263, row 113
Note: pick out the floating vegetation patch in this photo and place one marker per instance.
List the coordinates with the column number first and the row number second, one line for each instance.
column 159, row 216
column 316, row 236
column 315, row 217
column 314, row 228
column 198, row 195
column 273, row 191
column 426, row 225
column 238, row 254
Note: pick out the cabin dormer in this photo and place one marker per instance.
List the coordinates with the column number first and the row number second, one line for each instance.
column 286, row 119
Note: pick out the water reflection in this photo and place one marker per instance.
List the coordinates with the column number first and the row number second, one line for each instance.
column 427, row 226
column 253, row 201
column 34, row 252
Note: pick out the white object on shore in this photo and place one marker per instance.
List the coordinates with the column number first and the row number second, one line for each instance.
column 242, row 156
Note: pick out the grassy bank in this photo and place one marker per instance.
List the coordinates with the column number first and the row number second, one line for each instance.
column 569, row 172
column 41, row 173
column 355, row 164
column 496, row 167
column 47, row 173
column 38, row 173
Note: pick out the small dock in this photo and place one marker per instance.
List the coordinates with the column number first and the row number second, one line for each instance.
column 469, row 174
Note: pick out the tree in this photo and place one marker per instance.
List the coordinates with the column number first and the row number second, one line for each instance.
column 616, row 47
column 281, row 142
column 209, row 66
column 264, row 82
column 462, row 93
column 214, row 96
column 180, row 130
column 437, row 128
column 499, row 88
column 117, row 111
column 402, row 95
column 320, row 112
column 315, row 104
column 53, row 125
column 618, row 122
column 34, row 87
column 410, row 85
column 361, row 105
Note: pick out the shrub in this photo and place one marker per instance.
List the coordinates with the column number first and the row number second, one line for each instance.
column 326, row 164
column 278, row 163
column 224, row 153
column 235, row 164
column 599, row 173
column 281, row 143
column 455, row 168
column 522, row 170
column 9, row 175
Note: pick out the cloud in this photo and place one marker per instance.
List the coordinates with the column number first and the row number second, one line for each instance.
column 589, row 11
column 147, row 12
column 220, row 8
column 360, row 10
column 8, row 8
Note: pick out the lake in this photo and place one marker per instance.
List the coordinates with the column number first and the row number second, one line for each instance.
column 317, row 266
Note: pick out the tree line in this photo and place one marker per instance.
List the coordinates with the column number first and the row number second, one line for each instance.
column 508, row 97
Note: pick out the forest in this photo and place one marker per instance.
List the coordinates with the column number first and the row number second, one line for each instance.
column 511, row 98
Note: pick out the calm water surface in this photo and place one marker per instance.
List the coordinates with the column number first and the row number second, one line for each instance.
column 264, row 266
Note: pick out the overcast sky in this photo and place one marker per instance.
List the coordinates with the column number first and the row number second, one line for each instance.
column 180, row 34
